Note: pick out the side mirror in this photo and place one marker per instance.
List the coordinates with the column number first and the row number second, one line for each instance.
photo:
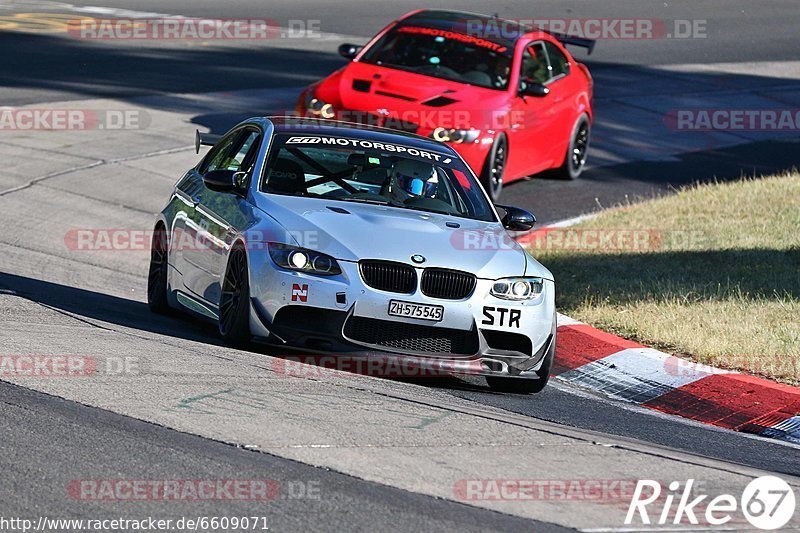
column 532, row 88
column 517, row 219
column 224, row 180
column 349, row 51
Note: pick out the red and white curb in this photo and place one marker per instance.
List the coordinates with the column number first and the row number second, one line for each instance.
column 624, row 370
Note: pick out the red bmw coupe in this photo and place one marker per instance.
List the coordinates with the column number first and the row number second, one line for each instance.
column 509, row 98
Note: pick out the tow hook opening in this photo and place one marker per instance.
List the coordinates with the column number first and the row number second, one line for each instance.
column 491, row 365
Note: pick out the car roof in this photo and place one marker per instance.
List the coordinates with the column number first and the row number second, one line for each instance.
column 301, row 125
column 500, row 31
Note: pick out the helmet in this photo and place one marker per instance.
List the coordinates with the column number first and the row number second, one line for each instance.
column 416, row 178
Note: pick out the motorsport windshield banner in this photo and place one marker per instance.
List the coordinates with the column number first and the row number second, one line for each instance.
column 369, row 145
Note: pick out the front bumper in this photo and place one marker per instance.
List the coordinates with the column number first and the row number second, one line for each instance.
column 342, row 315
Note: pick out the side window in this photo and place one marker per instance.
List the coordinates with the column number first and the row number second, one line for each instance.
column 559, row 65
column 236, row 152
column 535, row 68
column 245, row 157
column 219, row 154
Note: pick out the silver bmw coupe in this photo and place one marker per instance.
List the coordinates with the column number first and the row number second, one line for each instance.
column 337, row 239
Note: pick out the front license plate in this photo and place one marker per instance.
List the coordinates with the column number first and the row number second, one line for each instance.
column 412, row 310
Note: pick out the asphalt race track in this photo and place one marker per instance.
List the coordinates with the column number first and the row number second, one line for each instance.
column 348, row 452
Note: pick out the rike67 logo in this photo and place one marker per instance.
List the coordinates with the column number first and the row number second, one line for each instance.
column 767, row 503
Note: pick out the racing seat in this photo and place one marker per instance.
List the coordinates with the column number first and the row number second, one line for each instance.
column 287, row 177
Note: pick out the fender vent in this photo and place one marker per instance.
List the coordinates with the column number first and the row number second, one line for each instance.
column 395, row 95
column 439, row 101
column 503, row 340
column 362, row 86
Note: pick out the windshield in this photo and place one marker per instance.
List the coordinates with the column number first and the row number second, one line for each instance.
column 360, row 170
column 443, row 54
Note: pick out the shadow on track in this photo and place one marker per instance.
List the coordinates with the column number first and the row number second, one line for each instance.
column 38, row 65
column 136, row 315
column 108, row 308
column 604, row 187
column 85, row 69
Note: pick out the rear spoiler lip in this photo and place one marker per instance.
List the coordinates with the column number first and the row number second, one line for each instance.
column 204, row 139
column 576, row 41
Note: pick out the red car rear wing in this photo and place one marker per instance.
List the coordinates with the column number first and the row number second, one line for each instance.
column 576, row 41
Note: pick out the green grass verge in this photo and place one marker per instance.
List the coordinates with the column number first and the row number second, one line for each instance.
column 711, row 273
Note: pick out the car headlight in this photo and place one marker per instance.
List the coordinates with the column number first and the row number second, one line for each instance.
column 447, row 135
column 303, row 260
column 319, row 108
column 517, row 288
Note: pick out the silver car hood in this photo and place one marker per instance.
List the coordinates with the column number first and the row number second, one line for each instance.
column 351, row 231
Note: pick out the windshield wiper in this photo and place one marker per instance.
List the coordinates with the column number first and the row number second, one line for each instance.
column 373, row 201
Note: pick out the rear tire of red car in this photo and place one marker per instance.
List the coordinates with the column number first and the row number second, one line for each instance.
column 575, row 158
column 493, row 168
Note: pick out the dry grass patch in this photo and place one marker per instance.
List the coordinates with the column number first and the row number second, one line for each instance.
column 714, row 275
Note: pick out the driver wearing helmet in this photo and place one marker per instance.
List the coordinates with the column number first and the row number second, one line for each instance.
column 414, row 179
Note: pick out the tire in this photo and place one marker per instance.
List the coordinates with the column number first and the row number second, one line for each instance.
column 575, row 158
column 526, row 386
column 157, row 298
column 494, row 167
column 234, row 302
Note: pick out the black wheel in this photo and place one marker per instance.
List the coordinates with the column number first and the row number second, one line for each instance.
column 526, row 386
column 157, row 275
column 234, row 302
column 493, row 168
column 575, row 159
